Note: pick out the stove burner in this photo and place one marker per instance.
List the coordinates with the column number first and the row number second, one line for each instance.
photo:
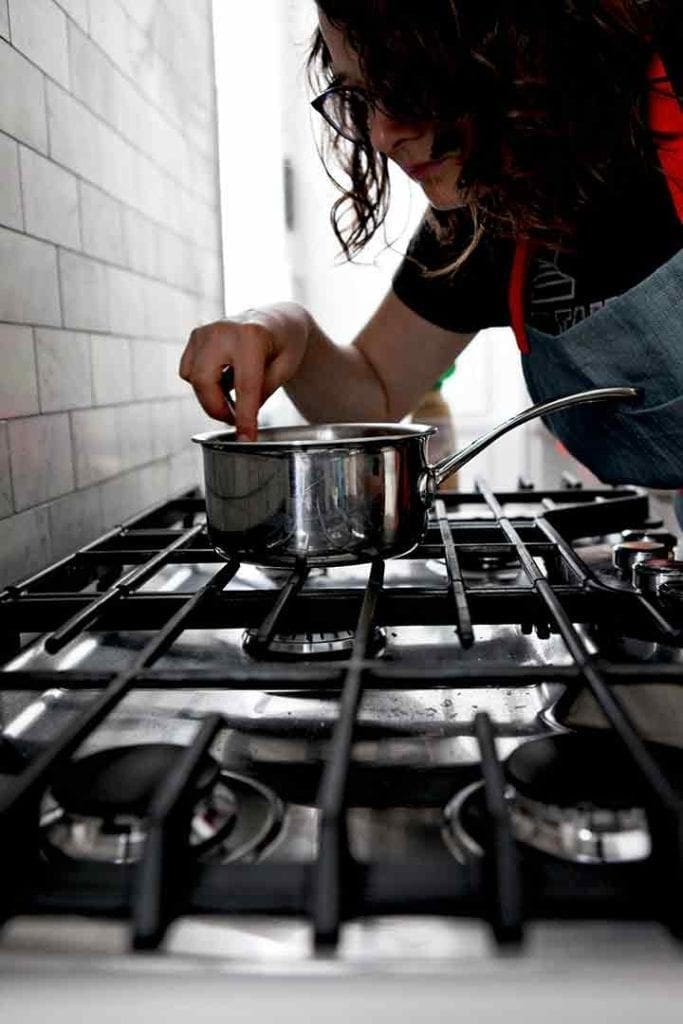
column 576, row 797
column 311, row 646
column 97, row 808
column 122, row 780
column 491, row 566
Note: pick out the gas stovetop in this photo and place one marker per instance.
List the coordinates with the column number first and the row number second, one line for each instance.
column 487, row 730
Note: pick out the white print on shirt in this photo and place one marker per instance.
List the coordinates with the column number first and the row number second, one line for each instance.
column 550, row 285
column 569, row 317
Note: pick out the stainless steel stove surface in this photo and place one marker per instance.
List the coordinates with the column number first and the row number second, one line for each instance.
column 413, row 762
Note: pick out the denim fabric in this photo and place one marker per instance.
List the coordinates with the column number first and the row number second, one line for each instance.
column 678, row 505
column 636, row 340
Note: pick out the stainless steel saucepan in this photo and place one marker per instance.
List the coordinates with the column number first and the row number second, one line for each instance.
column 337, row 494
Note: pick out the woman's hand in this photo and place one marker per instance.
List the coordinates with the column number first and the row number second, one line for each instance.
column 264, row 347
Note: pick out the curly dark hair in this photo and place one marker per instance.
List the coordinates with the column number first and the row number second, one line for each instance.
column 547, row 98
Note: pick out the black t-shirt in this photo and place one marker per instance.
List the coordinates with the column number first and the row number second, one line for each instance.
column 621, row 238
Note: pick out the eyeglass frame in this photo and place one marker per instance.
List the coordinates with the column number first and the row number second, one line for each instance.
column 318, row 105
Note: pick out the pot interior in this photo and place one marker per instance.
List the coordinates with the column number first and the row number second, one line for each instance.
column 316, row 435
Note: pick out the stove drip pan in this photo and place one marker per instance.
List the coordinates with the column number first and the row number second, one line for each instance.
column 311, row 646
column 97, row 808
column 575, row 797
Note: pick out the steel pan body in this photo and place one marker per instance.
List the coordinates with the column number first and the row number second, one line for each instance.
column 332, row 495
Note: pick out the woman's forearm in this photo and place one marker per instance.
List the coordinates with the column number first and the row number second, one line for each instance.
column 335, row 382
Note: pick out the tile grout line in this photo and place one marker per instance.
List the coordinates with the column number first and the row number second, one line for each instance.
column 110, row 195
column 208, row 157
column 105, row 263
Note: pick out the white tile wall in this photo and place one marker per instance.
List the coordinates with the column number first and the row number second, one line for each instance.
column 148, row 363
column 152, row 481
column 29, row 290
column 22, row 99
column 76, row 9
column 102, row 225
column 50, row 200
column 64, row 372
column 145, row 245
column 91, row 77
column 10, row 192
column 74, row 520
column 6, row 502
column 85, row 292
column 96, row 445
column 25, row 543
column 39, row 31
column 127, row 302
column 18, row 379
column 4, row 19
column 117, row 35
column 121, row 499
column 40, row 454
column 184, row 468
column 133, row 428
column 140, row 11
column 111, row 369
column 109, row 247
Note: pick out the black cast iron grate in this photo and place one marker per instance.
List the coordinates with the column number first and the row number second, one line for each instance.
column 96, row 587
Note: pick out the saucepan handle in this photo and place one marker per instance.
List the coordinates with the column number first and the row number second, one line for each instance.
column 436, row 474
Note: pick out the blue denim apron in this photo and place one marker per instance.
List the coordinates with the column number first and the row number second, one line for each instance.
column 637, row 340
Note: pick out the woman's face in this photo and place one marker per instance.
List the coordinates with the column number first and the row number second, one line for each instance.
column 408, row 145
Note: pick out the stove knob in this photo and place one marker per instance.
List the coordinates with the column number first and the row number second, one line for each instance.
column 650, row 576
column 630, row 553
column 651, row 535
column 671, row 596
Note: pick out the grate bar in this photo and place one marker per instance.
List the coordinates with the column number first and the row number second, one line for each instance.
column 135, row 578
column 184, row 502
column 20, row 791
column 334, row 858
column 160, row 883
column 501, row 863
column 659, row 785
column 325, row 609
column 266, row 631
column 456, row 583
column 588, row 578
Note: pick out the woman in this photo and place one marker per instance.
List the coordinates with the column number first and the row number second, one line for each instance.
column 548, row 140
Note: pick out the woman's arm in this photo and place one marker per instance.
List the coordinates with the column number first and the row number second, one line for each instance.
column 394, row 359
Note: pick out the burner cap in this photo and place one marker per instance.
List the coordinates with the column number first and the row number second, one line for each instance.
column 574, row 769
column 122, row 780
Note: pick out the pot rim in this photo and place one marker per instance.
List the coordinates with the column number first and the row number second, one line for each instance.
column 382, row 433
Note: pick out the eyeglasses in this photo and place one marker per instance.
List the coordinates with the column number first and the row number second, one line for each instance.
column 347, row 109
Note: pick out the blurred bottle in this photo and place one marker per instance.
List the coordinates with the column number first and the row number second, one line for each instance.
column 435, row 411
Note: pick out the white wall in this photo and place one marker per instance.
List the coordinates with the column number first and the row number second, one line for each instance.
column 249, row 58
column 110, row 251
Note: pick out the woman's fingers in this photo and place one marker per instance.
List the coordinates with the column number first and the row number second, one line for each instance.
column 249, row 371
column 209, row 350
